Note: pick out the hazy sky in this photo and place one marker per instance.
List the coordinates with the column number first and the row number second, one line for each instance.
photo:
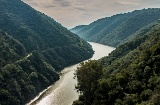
column 78, row 12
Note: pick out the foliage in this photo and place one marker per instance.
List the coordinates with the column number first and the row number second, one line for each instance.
column 87, row 75
column 24, row 79
column 10, row 49
column 130, row 74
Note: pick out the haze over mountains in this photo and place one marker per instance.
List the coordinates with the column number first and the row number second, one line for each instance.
column 114, row 30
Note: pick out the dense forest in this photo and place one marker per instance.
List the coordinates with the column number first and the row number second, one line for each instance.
column 114, row 30
column 130, row 75
column 21, row 76
column 33, row 49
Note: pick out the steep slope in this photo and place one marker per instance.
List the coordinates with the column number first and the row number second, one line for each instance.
column 34, row 47
column 128, row 76
column 11, row 49
column 22, row 76
column 37, row 31
column 115, row 29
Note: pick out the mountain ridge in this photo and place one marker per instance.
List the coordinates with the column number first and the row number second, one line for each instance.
column 128, row 76
column 114, row 30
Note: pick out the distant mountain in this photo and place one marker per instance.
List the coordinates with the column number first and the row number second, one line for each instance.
column 114, row 30
column 77, row 29
column 34, row 47
column 130, row 75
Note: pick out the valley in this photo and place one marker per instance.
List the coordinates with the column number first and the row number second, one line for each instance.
column 41, row 61
column 63, row 91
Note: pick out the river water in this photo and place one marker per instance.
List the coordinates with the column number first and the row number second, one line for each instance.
column 63, row 91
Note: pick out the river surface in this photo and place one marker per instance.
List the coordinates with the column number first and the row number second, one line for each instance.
column 63, row 91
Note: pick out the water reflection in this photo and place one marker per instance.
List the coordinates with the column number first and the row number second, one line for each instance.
column 63, row 91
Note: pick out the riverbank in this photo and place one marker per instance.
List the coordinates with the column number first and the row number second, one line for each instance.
column 63, row 91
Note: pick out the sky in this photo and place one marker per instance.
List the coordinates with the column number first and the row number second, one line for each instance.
column 71, row 13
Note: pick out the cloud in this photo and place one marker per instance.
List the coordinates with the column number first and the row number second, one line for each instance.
column 62, row 3
column 123, row 2
column 49, row 6
column 80, row 9
column 76, row 12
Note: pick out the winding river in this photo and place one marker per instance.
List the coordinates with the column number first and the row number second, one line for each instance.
column 63, row 91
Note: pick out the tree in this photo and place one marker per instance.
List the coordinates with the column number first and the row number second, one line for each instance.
column 88, row 74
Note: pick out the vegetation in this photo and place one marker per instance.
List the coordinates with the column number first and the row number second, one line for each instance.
column 22, row 80
column 128, row 76
column 10, row 49
column 33, row 48
column 22, row 76
column 116, row 29
column 87, row 74
column 35, row 30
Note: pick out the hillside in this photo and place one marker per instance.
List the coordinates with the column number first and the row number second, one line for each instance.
column 22, row 76
column 128, row 76
column 37, row 31
column 114, row 30
column 11, row 49
column 77, row 29
column 34, row 47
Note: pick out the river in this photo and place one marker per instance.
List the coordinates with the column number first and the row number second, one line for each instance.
column 63, row 91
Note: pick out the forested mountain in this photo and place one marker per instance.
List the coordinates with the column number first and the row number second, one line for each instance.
column 77, row 29
column 22, row 76
column 130, row 75
column 11, row 49
column 34, row 47
column 114, row 30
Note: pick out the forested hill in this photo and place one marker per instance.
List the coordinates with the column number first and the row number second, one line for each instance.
column 11, row 49
column 77, row 29
column 130, row 75
column 33, row 29
column 33, row 48
column 114, row 30
column 22, row 75
column 37, row 31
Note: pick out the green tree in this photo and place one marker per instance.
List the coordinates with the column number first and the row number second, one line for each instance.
column 88, row 74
